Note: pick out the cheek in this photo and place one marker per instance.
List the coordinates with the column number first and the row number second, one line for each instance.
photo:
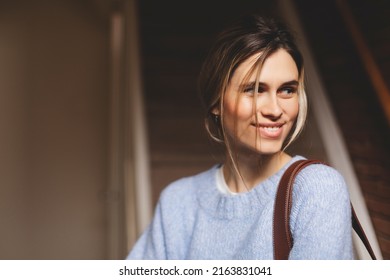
column 240, row 108
column 291, row 108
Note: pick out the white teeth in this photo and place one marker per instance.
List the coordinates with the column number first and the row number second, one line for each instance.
column 271, row 128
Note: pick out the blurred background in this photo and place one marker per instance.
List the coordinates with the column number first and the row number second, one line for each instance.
column 99, row 111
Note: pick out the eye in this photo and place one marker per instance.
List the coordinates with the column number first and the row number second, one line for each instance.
column 251, row 90
column 248, row 89
column 287, row 91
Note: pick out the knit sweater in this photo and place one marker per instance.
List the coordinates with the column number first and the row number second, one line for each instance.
column 194, row 220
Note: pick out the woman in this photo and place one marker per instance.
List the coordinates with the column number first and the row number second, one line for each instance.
column 252, row 87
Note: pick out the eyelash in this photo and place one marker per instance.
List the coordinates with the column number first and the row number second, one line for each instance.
column 291, row 90
column 252, row 89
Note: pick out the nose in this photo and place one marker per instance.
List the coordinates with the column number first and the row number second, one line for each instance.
column 270, row 107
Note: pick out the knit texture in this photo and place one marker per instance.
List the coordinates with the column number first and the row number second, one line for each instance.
column 194, row 220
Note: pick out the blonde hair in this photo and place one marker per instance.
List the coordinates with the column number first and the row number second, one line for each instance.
column 249, row 36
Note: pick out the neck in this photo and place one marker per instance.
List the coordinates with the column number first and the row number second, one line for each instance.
column 249, row 171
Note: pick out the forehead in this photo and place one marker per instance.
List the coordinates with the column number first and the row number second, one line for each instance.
column 279, row 66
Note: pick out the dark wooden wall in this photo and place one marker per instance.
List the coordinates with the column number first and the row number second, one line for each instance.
column 357, row 108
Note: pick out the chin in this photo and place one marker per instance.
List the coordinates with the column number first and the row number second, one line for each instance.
column 267, row 150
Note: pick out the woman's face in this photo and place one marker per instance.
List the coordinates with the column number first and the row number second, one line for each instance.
column 276, row 104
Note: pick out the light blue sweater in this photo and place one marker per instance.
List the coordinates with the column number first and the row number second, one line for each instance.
column 194, row 220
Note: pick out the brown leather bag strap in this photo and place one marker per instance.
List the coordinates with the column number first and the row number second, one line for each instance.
column 282, row 237
column 360, row 232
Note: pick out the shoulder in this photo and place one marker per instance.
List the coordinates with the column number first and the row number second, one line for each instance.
column 185, row 190
column 321, row 181
column 320, row 173
column 320, row 214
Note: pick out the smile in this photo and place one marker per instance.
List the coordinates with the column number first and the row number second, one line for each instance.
column 271, row 131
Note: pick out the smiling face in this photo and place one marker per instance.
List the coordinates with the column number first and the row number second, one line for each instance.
column 260, row 123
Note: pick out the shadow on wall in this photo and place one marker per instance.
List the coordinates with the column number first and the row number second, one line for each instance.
column 54, row 117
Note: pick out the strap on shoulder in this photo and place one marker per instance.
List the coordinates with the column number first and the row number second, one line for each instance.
column 282, row 237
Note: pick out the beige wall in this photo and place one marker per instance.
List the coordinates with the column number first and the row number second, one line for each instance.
column 53, row 123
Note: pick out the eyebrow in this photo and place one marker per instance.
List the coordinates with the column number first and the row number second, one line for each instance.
column 291, row 83
column 252, row 84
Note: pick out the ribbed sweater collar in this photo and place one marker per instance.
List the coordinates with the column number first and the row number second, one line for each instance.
column 224, row 206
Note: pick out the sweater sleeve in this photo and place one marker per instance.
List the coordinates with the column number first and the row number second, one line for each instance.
column 151, row 244
column 165, row 238
column 321, row 215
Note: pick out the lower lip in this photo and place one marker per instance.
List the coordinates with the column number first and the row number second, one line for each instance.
column 271, row 134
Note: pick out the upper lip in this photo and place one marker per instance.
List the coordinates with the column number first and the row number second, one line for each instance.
column 267, row 124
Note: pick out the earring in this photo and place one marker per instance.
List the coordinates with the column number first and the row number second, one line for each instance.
column 216, row 118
